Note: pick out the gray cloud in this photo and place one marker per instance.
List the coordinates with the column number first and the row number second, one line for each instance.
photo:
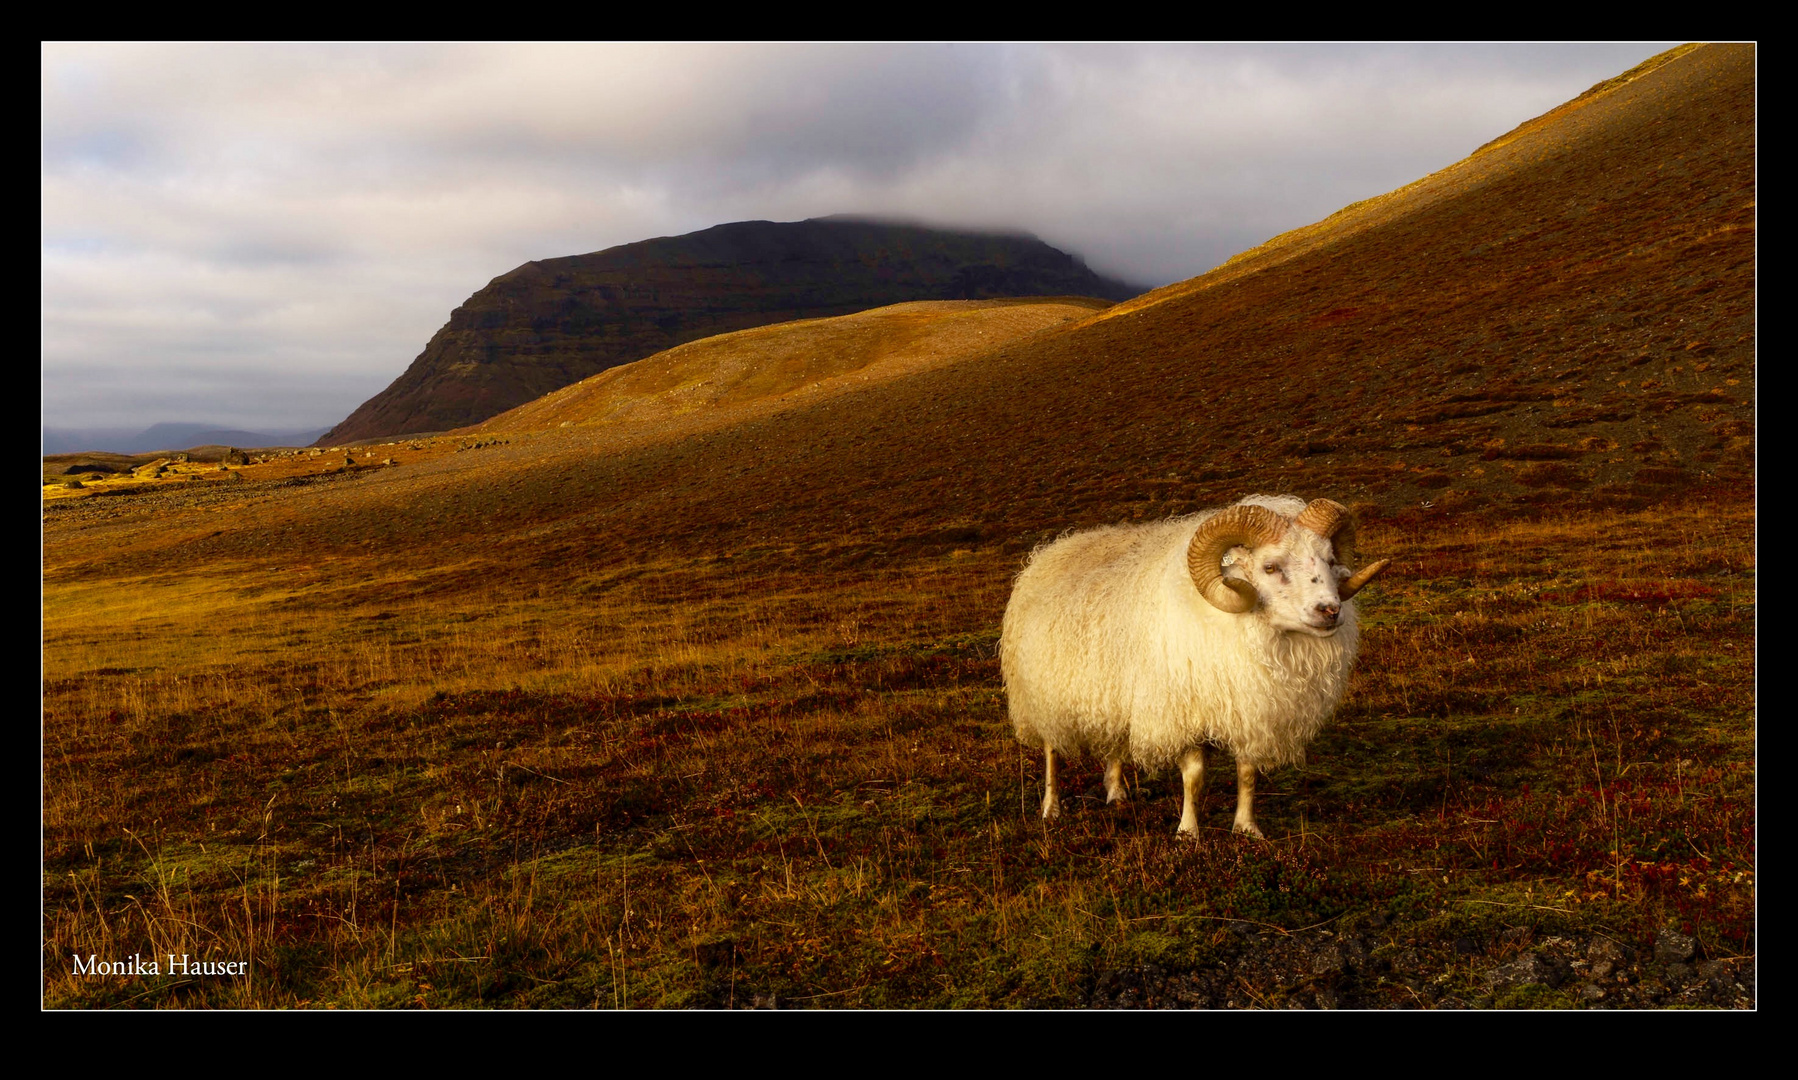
column 266, row 235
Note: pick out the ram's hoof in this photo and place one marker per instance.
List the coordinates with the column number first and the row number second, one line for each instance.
column 1249, row 830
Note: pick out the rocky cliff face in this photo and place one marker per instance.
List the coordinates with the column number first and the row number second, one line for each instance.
column 556, row 321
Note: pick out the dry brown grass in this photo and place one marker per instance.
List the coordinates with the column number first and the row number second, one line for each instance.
column 696, row 784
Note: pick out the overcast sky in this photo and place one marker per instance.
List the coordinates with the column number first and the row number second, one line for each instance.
column 265, row 236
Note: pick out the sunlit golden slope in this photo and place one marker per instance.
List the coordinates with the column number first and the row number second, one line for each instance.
column 728, row 378
column 1555, row 131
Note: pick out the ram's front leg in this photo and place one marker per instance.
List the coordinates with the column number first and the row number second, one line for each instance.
column 1051, row 801
column 1245, row 800
column 1192, row 785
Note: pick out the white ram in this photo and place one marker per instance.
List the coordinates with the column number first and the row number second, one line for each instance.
column 1230, row 628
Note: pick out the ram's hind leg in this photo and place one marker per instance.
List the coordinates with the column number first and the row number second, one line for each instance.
column 1245, row 800
column 1051, row 801
column 1114, row 782
column 1192, row 784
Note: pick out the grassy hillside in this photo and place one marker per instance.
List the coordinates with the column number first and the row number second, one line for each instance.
column 724, row 380
column 568, row 716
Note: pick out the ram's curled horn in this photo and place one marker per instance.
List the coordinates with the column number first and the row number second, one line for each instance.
column 1323, row 517
column 1353, row 585
column 1251, row 526
column 1334, row 522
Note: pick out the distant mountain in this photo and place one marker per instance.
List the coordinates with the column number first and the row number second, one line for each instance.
column 554, row 322
column 166, row 436
column 76, row 440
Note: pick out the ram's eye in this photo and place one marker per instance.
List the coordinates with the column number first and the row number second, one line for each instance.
column 1271, row 568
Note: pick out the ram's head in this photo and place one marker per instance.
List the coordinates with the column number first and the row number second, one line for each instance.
column 1293, row 568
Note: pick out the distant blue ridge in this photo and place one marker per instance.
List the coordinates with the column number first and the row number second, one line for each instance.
column 167, row 436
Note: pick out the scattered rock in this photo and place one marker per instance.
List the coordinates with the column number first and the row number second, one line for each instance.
column 1603, row 949
column 1329, row 960
column 1718, row 974
column 1673, row 947
column 1325, row 971
column 1531, row 967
